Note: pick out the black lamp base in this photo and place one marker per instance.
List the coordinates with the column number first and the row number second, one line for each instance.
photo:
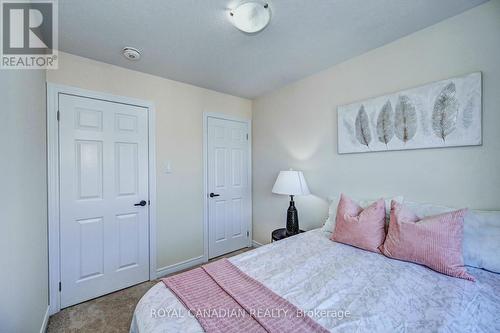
column 292, row 219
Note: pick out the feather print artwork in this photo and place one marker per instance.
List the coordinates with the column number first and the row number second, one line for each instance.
column 444, row 116
column 405, row 122
column 423, row 116
column 362, row 125
column 373, row 119
column 467, row 116
column 439, row 114
column 385, row 125
column 350, row 131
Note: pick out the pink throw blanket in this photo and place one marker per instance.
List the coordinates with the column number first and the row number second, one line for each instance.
column 224, row 299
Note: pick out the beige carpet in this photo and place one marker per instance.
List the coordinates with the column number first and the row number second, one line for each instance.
column 107, row 314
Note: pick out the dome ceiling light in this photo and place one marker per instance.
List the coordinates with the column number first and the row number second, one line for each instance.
column 251, row 16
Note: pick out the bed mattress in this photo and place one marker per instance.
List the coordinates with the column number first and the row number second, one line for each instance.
column 346, row 289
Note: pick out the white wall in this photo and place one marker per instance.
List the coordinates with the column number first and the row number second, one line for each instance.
column 23, row 201
column 297, row 127
column 179, row 130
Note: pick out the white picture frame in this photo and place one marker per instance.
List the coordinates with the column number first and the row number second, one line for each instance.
column 446, row 113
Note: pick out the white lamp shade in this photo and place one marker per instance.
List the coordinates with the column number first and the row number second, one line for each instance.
column 291, row 183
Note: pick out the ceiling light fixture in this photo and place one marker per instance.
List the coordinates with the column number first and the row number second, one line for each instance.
column 251, row 16
column 131, row 53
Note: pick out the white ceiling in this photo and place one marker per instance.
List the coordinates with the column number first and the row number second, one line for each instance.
column 192, row 41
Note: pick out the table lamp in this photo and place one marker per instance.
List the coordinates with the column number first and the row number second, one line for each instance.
column 291, row 183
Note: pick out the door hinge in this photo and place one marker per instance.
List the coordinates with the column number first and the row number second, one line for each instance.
column 58, row 115
column 60, row 286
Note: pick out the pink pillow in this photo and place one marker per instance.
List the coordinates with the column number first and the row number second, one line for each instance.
column 434, row 241
column 363, row 228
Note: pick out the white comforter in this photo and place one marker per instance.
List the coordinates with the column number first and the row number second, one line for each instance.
column 379, row 294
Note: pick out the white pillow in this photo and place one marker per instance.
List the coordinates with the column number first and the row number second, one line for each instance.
column 332, row 213
column 482, row 239
column 425, row 209
column 481, row 245
column 329, row 224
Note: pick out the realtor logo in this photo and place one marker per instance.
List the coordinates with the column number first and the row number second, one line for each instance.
column 29, row 34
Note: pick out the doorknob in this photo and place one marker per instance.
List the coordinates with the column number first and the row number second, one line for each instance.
column 142, row 203
column 214, row 195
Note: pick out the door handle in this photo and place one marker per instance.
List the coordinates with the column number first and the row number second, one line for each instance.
column 142, row 203
column 214, row 195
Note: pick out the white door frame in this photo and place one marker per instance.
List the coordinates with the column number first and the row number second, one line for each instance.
column 53, row 91
column 207, row 115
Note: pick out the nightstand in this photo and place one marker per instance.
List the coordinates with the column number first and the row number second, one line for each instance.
column 280, row 234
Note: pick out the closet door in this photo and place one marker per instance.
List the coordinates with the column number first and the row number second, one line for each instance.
column 228, row 186
column 103, row 196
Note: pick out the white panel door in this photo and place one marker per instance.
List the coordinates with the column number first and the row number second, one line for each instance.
column 228, row 186
column 103, row 175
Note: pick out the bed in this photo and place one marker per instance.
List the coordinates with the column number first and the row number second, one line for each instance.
column 346, row 289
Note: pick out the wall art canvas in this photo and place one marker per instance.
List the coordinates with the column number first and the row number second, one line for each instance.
column 440, row 114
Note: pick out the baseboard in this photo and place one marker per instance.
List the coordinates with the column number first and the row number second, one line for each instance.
column 45, row 322
column 161, row 272
column 256, row 244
